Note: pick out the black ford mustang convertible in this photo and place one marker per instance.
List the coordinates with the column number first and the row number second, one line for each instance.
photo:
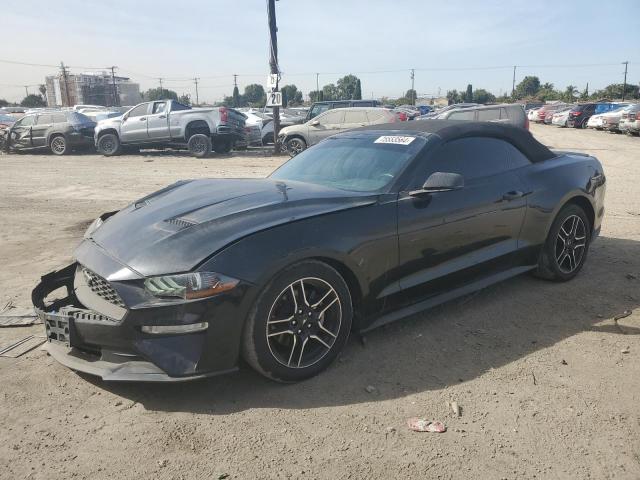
column 364, row 228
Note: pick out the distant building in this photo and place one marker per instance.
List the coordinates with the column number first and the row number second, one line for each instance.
column 91, row 89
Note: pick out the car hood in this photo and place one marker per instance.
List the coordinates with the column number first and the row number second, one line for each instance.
column 175, row 229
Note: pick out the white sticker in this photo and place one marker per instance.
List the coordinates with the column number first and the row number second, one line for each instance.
column 395, row 139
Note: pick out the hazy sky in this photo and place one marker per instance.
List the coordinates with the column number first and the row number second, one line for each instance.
column 213, row 39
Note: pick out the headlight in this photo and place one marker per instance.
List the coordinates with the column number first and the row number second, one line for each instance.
column 189, row 286
column 93, row 227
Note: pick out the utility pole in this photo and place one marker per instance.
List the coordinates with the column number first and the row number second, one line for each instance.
column 317, row 87
column 624, row 85
column 235, row 79
column 195, row 80
column 160, row 80
column 63, row 70
column 26, row 90
column 275, row 69
column 413, row 92
column 116, row 100
column 513, row 84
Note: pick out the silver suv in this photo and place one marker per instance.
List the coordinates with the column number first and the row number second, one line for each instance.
column 296, row 138
column 511, row 113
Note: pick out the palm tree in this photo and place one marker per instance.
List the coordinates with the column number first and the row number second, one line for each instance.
column 570, row 92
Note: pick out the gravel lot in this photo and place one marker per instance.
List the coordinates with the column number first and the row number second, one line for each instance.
column 538, row 368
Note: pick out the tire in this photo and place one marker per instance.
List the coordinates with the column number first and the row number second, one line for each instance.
column 199, row 145
column 109, row 145
column 295, row 146
column 58, row 145
column 315, row 326
column 565, row 250
column 584, row 124
column 222, row 146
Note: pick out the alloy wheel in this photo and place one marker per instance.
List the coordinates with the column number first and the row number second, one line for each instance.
column 107, row 145
column 198, row 145
column 304, row 322
column 295, row 146
column 570, row 244
column 58, row 145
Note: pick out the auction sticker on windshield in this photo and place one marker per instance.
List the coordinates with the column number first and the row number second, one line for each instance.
column 395, row 139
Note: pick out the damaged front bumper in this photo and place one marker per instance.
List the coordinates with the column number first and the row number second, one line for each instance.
column 116, row 349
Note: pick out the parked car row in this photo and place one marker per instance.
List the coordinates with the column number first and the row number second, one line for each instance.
column 619, row 117
column 163, row 123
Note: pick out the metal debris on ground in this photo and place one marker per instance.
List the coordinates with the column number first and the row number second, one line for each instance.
column 424, row 425
column 564, row 362
column 22, row 346
column 10, row 316
column 625, row 350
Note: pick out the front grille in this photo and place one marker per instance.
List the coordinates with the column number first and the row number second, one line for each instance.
column 102, row 288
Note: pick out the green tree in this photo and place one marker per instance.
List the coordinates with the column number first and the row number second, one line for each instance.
column 330, row 92
column 159, row 94
column 483, row 96
column 3, row 103
column 33, row 101
column 185, row 99
column 401, row 101
column 614, row 92
column 315, row 95
column 254, row 95
column 453, row 96
column 358, row 94
column 347, row 86
column 235, row 102
column 411, row 95
column 291, row 94
column 570, row 93
column 468, row 95
column 528, row 87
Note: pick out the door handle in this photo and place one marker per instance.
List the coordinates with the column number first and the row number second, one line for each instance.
column 162, row 116
column 513, row 194
column 143, row 119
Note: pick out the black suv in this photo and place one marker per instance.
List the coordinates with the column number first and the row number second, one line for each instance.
column 58, row 131
column 319, row 107
column 580, row 115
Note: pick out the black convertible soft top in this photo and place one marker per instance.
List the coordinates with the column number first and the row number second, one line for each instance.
column 452, row 129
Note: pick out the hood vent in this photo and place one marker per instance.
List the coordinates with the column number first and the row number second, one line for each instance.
column 181, row 223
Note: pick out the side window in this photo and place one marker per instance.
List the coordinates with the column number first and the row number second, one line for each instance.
column 59, row 118
column 355, row 116
column 332, row 118
column 364, row 104
column 44, row 120
column 26, row 121
column 140, row 110
column 318, row 109
column 476, row 157
column 340, row 105
column 488, row 114
column 159, row 107
column 462, row 115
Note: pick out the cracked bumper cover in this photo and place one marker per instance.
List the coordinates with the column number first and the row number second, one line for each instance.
column 88, row 341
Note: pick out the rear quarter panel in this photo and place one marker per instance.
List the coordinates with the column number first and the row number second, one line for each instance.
column 552, row 184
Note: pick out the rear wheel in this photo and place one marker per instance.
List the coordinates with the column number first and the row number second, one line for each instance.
column 58, row 145
column 199, row 145
column 299, row 323
column 109, row 144
column 584, row 124
column 565, row 249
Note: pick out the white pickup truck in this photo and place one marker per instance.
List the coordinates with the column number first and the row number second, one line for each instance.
column 164, row 123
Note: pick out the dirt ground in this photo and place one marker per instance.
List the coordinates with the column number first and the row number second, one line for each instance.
column 538, row 368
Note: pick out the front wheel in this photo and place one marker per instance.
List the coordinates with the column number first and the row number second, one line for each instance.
column 109, row 144
column 565, row 249
column 299, row 323
column 295, row 146
column 58, row 145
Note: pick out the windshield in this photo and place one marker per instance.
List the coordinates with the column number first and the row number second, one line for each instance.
column 366, row 162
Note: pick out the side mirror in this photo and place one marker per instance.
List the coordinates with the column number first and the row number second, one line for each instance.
column 315, row 123
column 440, row 182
